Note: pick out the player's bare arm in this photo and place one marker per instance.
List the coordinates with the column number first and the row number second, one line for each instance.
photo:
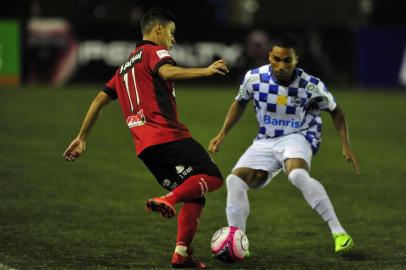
column 340, row 124
column 234, row 114
column 78, row 145
column 171, row 72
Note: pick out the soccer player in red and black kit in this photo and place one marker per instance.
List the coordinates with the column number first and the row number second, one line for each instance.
column 144, row 88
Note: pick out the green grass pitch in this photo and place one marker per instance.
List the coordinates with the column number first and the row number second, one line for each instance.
column 90, row 214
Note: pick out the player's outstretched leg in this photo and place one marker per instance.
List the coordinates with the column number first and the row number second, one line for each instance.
column 162, row 206
column 188, row 220
column 194, row 187
column 316, row 196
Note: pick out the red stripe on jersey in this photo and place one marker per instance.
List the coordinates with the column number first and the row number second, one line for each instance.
column 139, row 87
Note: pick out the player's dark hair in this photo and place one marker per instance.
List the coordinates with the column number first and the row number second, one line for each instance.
column 287, row 42
column 153, row 16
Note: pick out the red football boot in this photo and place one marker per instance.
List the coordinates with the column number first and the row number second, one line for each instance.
column 179, row 261
column 162, row 206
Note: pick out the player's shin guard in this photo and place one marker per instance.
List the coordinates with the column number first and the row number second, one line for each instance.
column 188, row 220
column 238, row 208
column 316, row 196
column 196, row 186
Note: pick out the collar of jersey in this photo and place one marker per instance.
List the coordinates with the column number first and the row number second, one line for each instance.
column 273, row 78
column 143, row 42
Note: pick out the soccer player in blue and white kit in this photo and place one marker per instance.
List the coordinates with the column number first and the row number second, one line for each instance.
column 287, row 102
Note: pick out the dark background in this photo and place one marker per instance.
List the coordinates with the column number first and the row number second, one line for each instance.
column 334, row 35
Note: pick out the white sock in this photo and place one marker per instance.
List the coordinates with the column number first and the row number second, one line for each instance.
column 238, row 207
column 316, row 196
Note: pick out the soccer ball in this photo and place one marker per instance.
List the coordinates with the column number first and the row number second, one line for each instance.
column 229, row 244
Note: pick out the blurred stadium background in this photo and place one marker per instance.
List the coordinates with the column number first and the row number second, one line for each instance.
column 56, row 55
column 351, row 42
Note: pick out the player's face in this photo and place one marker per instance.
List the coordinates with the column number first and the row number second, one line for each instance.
column 284, row 62
column 168, row 35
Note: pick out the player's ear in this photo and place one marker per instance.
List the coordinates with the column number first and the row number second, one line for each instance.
column 158, row 28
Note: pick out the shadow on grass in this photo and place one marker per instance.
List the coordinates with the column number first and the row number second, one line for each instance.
column 357, row 255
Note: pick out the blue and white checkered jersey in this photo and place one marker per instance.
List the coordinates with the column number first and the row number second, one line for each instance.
column 283, row 110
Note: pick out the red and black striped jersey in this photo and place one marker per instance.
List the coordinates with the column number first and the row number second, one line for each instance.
column 147, row 101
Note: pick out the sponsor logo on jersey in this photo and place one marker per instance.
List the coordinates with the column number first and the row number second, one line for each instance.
column 179, row 169
column 136, row 120
column 241, row 92
column 162, row 53
column 282, row 122
column 136, row 58
column 166, row 182
column 312, row 88
column 173, row 186
column 182, row 171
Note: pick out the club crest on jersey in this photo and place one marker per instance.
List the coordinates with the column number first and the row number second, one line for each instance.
column 136, row 120
column 166, row 182
column 297, row 101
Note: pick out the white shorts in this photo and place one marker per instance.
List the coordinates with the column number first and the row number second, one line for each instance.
column 270, row 154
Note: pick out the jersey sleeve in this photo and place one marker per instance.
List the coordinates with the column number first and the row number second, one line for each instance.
column 321, row 97
column 110, row 88
column 328, row 101
column 245, row 92
column 159, row 56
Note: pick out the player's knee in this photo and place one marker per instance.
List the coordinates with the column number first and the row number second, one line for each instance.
column 214, row 182
column 235, row 183
column 201, row 201
column 298, row 177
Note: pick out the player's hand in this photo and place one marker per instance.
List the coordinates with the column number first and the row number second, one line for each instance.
column 218, row 67
column 214, row 145
column 350, row 157
column 75, row 149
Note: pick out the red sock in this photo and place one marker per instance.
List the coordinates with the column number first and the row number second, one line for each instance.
column 196, row 186
column 188, row 220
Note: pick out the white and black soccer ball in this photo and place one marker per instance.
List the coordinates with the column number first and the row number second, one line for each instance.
column 229, row 244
